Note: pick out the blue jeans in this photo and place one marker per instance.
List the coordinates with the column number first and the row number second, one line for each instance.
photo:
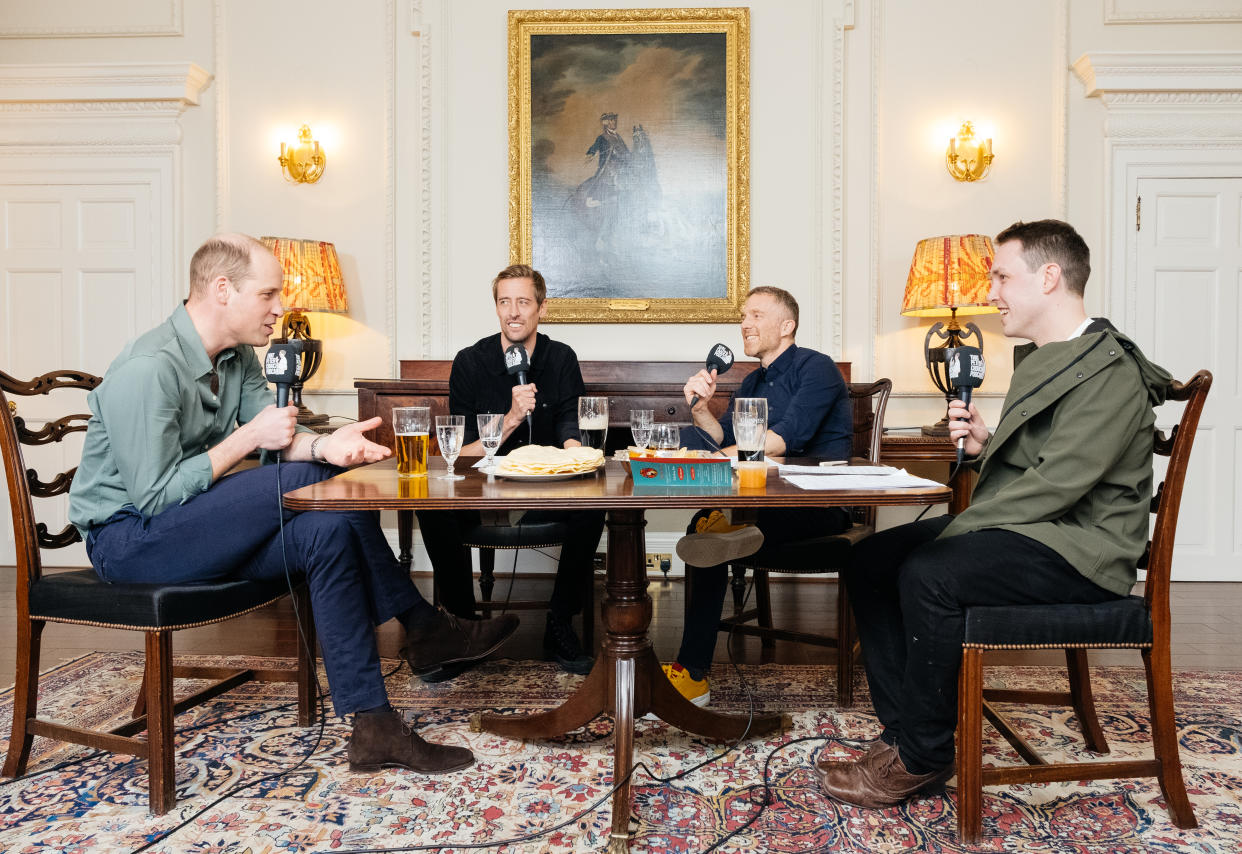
column 234, row 530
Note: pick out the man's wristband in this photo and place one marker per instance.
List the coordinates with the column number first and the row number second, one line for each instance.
column 315, row 456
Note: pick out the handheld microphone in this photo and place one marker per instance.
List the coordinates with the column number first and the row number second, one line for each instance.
column 964, row 370
column 282, row 366
column 518, row 363
column 720, row 358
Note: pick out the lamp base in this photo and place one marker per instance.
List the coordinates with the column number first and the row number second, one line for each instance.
column 940, row 429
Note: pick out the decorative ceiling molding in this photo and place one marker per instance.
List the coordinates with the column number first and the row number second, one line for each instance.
column 1165, row 94
column 92, row 19
column 97, row 103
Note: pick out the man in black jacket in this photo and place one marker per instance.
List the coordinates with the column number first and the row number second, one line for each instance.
column 480, row 383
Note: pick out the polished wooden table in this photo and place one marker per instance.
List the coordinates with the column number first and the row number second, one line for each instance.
column 627, row 680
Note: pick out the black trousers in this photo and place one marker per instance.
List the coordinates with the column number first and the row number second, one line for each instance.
column 909, row 592
column 443, row 535
column 708, row 584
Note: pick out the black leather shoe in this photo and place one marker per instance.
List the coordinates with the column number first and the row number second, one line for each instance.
column 561, row 644
column 385, row 740
column 450, row 640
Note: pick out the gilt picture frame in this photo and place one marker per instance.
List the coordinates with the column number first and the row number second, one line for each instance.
column 629, row 161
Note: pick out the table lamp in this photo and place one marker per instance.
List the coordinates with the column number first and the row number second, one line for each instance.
column 312, row 282
column 948, row 276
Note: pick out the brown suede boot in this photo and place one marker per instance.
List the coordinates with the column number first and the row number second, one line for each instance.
column 387, row 741
column 878, row 748
column 450, row 640
column 878, row 780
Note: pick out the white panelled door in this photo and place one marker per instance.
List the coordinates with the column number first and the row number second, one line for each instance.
column 1186, row 314
column 76, row 270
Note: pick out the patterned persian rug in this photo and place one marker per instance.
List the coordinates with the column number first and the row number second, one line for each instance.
column 516, row 789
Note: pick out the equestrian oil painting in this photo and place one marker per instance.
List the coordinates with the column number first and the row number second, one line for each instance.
column 628, row 187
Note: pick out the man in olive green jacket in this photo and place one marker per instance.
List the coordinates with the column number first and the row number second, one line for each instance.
column 1059, row 514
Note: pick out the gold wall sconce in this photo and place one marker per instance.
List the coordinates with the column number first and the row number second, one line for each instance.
column 967, row 158
column 302, row 162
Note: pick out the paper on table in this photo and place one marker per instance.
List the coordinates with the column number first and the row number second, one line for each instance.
column 857, row 471
column 771, row 462
column 901, row 480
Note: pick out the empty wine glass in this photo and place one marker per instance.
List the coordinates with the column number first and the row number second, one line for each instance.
column 641, row 423
column 450, row 431
column 491, row 430
column 667, row 439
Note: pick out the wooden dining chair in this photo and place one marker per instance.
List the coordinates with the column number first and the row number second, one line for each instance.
column 817, row 555
column 80, row 597
column 496, row 534
column 1135, row 622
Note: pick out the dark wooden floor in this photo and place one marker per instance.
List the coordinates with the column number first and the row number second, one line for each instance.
column 1207, row 628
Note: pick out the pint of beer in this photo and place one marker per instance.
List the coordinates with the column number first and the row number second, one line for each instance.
column 411, row 425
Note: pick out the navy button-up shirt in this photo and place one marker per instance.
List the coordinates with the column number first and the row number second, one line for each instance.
column 808, row 404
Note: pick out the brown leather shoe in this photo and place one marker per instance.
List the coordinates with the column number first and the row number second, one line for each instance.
column 877, row 749
column 450, row 640
column 387, row 741
column 878, row 780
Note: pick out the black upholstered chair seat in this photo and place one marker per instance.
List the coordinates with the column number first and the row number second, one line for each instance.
column 80, row 596
column 534, row 535
column 1118, row 623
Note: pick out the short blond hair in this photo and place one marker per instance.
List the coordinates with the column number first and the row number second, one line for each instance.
column 227, row 255
column 782, row 296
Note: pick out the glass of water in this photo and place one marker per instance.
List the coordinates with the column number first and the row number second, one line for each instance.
column 593, row 421
column 641, row 423
column 667, row 439
column 750, row 427
column 491, row 430
column 450, row 431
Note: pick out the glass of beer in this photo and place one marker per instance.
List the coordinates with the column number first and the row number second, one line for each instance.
column 593, row 421
column 450, row 432
column 750, row 427
column 412, row 427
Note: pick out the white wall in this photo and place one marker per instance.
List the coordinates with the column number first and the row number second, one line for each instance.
column 408, row 97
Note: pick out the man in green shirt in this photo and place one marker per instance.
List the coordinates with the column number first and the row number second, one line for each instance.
column 1059, row 513
column 181, row 406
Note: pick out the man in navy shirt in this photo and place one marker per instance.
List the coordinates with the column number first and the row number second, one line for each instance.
column 808, row 415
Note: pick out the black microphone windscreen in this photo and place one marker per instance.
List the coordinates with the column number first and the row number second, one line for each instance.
column 719, row 357
column 283, row 362
column 964, row 367
column 516, row 360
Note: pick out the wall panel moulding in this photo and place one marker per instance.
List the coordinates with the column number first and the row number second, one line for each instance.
column 1190, row 94
column 97, row 103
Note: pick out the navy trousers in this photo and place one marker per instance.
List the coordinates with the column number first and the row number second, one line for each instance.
column 708, row 584
column 909, row 592
column 238, row 529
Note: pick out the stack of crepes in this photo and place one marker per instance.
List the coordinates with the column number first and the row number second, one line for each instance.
column 543, row 459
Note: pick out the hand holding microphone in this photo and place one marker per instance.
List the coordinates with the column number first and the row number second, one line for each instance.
column 965, row 369
column 719, row 359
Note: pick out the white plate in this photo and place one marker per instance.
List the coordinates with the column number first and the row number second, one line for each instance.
column 536, row 478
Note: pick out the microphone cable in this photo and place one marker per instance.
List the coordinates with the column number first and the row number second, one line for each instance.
column 322, row 696
column 666, row 781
